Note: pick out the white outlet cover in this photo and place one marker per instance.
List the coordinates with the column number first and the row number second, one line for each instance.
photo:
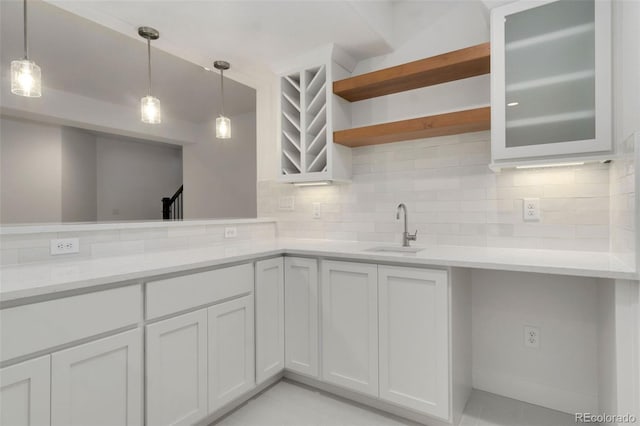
column 64, row 246
column 531, row 209
column 317, row 210
column 230, row 232
column 531, row 337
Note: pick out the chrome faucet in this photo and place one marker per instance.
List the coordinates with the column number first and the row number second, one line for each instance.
column 406, row 236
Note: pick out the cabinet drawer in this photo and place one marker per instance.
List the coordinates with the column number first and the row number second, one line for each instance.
column 39, row 326
column 177, row 294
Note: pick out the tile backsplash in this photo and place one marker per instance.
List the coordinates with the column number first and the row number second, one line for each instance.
column 34, row 247
column 453, row 198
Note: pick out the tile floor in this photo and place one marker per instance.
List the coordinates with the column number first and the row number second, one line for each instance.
column 288, row 404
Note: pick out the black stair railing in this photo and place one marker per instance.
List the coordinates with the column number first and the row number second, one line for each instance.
column 172, row 207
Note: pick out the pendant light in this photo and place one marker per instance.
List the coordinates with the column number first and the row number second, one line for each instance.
column 149, row 105
column 223, row 124
column 26, row 78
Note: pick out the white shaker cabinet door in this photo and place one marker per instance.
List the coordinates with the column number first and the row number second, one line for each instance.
column 177, row 370
column 231, row 351
column 414, row 338
column 25, row 393
column 301, row 315
column 269, row 318
column 98, row 383
column 350, row 326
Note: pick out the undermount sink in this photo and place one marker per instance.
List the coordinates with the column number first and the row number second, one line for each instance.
column 395, row 249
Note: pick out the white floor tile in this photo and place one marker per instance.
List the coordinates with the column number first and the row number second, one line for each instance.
column 287, row 404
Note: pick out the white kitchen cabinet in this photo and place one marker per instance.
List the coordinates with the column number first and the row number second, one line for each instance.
column 350, row 325
column 231, row 351
column 176, row 357
column 25, row 393
column 98, row 383
column 269, row 298
column 301, row 315
column 414, row 339
column 550, row 80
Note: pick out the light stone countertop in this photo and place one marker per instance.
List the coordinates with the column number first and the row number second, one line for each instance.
column 47, row 279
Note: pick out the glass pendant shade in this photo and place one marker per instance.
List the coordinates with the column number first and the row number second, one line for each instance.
column 223, row 127
column 26, row 78
column 150, row 110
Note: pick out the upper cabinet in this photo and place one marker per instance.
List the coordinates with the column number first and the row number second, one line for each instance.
column 550, row 81
column 308, row 114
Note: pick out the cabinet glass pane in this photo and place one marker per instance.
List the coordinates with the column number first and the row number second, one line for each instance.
column 550, row 74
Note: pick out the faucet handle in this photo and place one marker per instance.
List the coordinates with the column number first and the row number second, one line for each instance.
column 412, row 237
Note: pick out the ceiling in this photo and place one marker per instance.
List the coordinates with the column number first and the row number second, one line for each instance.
column 83, row 58
column 108, row 61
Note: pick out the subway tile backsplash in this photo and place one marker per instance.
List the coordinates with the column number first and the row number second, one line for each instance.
column 29, row 248
column 453, row 199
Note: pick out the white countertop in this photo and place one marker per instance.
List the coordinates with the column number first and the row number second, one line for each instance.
column 39, row 279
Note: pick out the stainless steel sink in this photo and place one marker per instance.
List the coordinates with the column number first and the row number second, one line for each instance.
column 395, row 249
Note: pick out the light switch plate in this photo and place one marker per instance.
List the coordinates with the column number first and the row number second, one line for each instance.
column 317, row 210
column 286, row 203
column 531, row 209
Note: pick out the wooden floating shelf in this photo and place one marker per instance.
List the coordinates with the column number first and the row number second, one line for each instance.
column 456, row 65
column 452, row 123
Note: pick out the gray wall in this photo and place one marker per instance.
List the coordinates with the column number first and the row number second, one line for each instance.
column 52, row 173
column 30, row 168
column 220, row 175
column 78, row 176
column 133, row 177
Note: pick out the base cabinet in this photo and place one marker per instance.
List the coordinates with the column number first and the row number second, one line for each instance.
column 350, row 326
column 98, row 383
column 231, row 351
column 301, row 315
column 177, row 370
column 269, row 318
column 414, row 346
column 25, row 398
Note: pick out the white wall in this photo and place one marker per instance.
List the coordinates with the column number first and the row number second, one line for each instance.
column 133, row 177
column 563, row 373
column 78, row 176
column 220, row 175
column 30, row 171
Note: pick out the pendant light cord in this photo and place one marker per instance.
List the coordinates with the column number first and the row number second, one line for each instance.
column 222, row 91
column 24, row 18
column 148, row 64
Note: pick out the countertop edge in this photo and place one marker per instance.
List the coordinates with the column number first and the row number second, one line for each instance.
column 52, row 290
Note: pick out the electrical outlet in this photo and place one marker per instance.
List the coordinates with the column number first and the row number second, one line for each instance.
column 531, row 337
column 65, row 246
column 286, row 203
column 317, row 210
column 230, row 232
column 531, row 209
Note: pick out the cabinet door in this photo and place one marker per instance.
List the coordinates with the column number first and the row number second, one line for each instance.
column 414, row 338
column 25, row 393
column 301, row 315
column 269, row 318
column 350, row 325
column 231, row 351
column 177, row 370
column 551, row 79
column 98, row 383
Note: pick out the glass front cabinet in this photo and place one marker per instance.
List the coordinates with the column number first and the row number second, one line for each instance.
column 550, row 81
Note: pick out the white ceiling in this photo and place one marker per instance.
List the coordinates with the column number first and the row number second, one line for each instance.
column 80, row 57
column 107, row 61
